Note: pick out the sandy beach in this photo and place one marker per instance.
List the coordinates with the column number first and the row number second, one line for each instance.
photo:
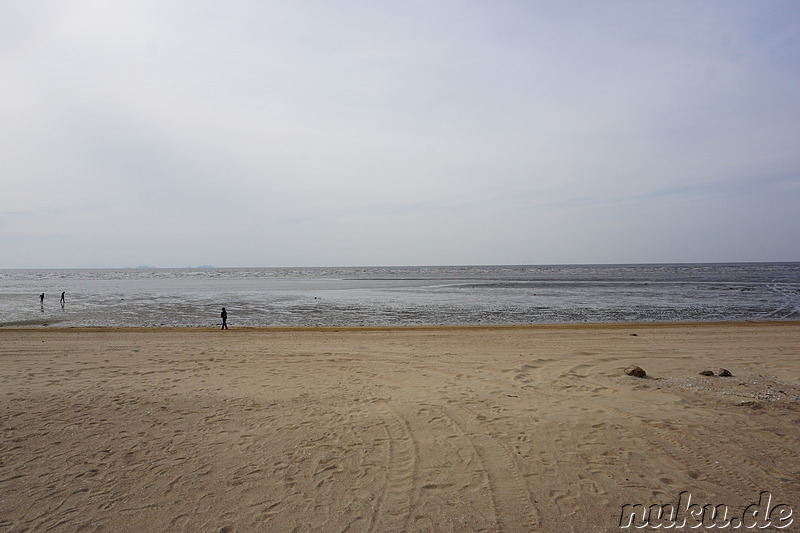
column 529, row 428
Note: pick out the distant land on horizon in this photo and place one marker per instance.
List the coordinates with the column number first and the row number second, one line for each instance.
column 145, row 267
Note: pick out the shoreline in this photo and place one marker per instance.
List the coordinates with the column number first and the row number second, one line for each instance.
column 455, row 327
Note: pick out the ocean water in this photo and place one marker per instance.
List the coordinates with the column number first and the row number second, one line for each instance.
column 447, row 295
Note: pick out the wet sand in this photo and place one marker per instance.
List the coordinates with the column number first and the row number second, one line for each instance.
column 533, row 428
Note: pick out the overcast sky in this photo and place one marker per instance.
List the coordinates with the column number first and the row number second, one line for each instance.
column 321, row 133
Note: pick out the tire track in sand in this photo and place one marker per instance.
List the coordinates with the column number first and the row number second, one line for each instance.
column 511, row 499
column 396, row 502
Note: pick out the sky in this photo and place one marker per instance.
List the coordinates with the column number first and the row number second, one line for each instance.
column 435, row 132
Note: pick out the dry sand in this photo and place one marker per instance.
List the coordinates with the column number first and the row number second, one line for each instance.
column 410, row 429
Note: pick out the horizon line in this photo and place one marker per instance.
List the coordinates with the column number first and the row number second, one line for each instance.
column 422, row 265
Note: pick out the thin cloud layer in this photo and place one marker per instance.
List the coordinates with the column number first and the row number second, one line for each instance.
column 374, row 133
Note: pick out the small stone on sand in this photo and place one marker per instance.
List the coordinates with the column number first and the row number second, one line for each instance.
column 635, row 371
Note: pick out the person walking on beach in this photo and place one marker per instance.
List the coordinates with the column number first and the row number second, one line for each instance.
column 62, row 297
column 224, row 316
column 41, row 299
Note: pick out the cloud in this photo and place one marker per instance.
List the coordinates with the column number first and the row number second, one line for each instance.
column 310, row 133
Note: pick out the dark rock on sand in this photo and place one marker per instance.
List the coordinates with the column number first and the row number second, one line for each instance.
column 635, row 371
column 724, row 372
column 707, row 373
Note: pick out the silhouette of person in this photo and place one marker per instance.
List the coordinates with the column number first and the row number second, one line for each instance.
column 41, row 298
column 224, row 316
column 62, row 297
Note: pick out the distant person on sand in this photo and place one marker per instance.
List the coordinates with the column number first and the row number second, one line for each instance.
column 62, row 297
column 224, row 316
column 41, row 298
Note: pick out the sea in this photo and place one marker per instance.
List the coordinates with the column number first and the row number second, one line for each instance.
column 401, row 296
